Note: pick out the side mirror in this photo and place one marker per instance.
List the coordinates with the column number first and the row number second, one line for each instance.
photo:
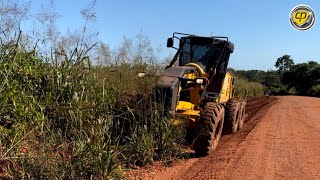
column 170, row 42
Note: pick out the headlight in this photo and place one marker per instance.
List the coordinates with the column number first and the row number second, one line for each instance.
column 200, row 81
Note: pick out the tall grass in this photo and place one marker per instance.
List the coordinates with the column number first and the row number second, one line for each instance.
column 71, row 120
column 244, row 87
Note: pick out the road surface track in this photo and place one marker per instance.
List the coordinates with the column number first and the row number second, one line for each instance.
column 281, row 141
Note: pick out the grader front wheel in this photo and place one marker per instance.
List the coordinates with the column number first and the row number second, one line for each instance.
column 209, row 129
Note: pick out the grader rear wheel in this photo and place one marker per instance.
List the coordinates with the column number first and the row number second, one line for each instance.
column 232, row 115
column 242, row 111
column 209, row 129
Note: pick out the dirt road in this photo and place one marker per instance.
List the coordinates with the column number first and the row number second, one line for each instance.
column 281, row 141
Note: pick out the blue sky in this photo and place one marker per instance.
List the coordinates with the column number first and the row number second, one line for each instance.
column 260, row 29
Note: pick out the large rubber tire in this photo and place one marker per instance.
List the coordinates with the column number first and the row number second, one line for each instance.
column 242, row 111
column 209, row 129
column 232, row 115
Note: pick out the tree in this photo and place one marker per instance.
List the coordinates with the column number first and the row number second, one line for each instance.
column 304, row 77
column 272, row 81
column 284, row 63
column 252, row 75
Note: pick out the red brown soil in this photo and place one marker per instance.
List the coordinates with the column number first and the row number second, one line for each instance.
column 281, row 141
column 179, row 169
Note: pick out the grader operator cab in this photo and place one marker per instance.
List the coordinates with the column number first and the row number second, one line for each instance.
column 196, row 87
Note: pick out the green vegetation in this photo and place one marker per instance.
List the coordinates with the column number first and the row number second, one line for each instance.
column 284, row 64
column 294, row 79
column 74, row 120
column 303, row 79
column 73, row 109
column 244, row 87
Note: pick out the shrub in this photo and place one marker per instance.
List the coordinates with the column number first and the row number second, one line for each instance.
column 315, row 90
column 244, row 87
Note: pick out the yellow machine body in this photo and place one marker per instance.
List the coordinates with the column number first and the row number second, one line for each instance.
column 191, row 109
column 197, row 90
column 227, row 88
column 199, row 77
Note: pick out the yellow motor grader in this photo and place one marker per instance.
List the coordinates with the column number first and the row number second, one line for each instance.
column 196, row 87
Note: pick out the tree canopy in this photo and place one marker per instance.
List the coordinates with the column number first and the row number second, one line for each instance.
column 304, row 77
column 290, row 78
column 284, row 63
